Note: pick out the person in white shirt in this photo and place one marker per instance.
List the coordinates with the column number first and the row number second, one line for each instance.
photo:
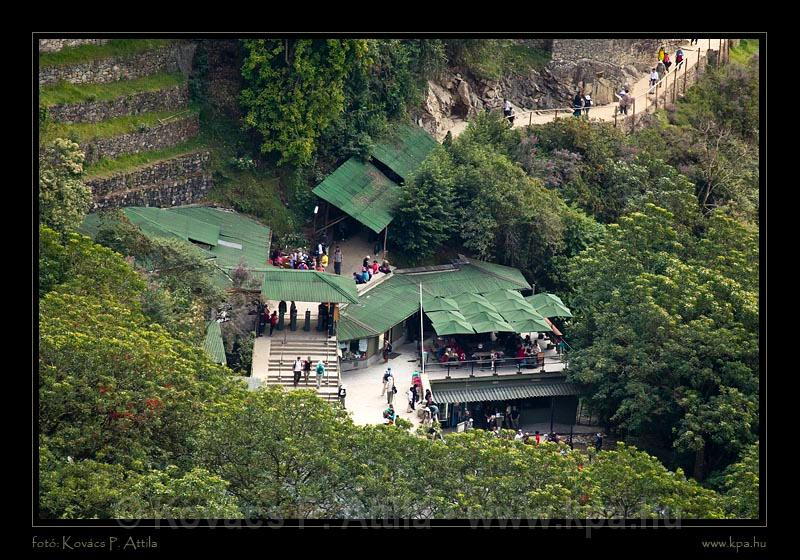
column 297, row 369
column 410, row 395
column 653, row 77
column 389, row 389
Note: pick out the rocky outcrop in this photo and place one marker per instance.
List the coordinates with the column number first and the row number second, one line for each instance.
column 55, row 45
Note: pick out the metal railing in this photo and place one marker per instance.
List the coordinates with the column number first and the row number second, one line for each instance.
column 505, row 363
column 722, row 56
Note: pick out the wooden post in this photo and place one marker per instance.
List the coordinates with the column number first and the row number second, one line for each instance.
column 633, row 122
column 674, row 86
column 685, row 70
column 656, row 100
column 385, row 235
column 530, row 118
column 615, row 115
column 554, row 118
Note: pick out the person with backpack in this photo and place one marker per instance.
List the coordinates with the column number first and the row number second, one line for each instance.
column 587, row 103
column 320, row 372
column 661, row 53
column 678, row 57
column 342, row 394
column 667, row 62
column 598, row 441
column 337, row 260
column 390, row 415
column 411, row 395
column 653, row 77
column 297, row 370
column 386, row 375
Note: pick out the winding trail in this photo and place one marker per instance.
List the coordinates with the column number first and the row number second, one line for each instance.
column 639, row 91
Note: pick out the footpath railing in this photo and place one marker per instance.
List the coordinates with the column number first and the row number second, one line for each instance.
column 516, row 365
column 666, row 90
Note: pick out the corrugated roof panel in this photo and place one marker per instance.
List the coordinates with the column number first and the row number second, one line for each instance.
column 183, row 225
column 503, row 392
column 362, row 191
column 308, row 285
column 405, row 149
column 213, row 344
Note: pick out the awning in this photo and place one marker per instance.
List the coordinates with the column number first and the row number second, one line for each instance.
column 549, row 305
column 449, row 322
column 308, row 285
column 503, row 392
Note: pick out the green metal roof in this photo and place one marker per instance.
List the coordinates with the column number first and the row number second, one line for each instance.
column 502, row 391
column 405, row 149
column 362, row 191
column 397, row 298
column 232, row 238
column 213, row 344
column 507, row 273
column 308, row 285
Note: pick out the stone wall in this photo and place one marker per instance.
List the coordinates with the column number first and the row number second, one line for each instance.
column 174, row 98
column 640, row 53
column 163, row 173
column 155, row 138
column 174, row 192
column 55, row 45
column 174, row 58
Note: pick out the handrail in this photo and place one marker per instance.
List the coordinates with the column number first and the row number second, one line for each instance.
column 722, row 42
column 496, row 363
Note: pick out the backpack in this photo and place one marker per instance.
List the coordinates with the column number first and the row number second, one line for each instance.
column 342, row 392
column 320, row 369
column 394, row 389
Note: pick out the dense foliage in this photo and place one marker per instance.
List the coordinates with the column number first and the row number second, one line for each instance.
column 63, row 198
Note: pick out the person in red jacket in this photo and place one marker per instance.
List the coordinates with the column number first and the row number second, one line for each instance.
column 273, row 322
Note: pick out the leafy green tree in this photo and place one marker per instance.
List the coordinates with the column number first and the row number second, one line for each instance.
column 672, row 367
column 294, row 90
column 63, row 198
column 741, row 484
column 426, row 212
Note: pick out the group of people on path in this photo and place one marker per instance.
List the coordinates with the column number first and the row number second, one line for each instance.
column 303, row 367
column 428, row 411
column 299, row 260
column 581, row 103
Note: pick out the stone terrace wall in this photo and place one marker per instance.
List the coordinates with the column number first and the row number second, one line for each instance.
column 174, row 98
column 619, row 52
column 155, row 138
column 175, row 192
column 170, row 59
column 160, row 173
column 55, row 45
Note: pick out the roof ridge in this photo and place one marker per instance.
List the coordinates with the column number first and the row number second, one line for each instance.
column 501, row 277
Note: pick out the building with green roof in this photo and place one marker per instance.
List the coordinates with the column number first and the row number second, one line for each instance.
column 369, row 191
column 227, row 237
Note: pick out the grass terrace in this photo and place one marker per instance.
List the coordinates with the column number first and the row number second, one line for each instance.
column 67, row 93
column 744, row 50
column 131, row 162
column 86, row 132
column 88, row 53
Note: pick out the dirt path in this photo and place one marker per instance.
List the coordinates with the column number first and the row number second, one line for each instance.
column 639, row 91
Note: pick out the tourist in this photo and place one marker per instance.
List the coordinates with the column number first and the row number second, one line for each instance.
column 390, row 389
column 387, row 350
column 297, row 370
column 537, row 437
column 273, row 321
column 515, row 417
column 365, row 275
column 386, row 375
column 358, row 278
column 598, row 441
column 678, row 57
column 307, row 369
column 411, row 396
column 342, row 394
column 506, row 108
column 320, row 372
column 587, row 102
column 625, row 101
column 693, row 41
column 661, row 69
column 577, row 104
column 390, row 415
column 375, row 267
column 667, row 62
column 323, row 261
column 519, row 436
column 385, row 267
column 653, row 77
column 661, row 53
column 428, row 397
column 337, row 260
column 365, row 263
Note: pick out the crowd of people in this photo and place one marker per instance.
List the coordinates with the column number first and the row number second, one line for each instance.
column 300, row 260
column 371, row 269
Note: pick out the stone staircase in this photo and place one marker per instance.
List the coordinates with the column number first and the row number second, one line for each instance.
column 283, row 354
